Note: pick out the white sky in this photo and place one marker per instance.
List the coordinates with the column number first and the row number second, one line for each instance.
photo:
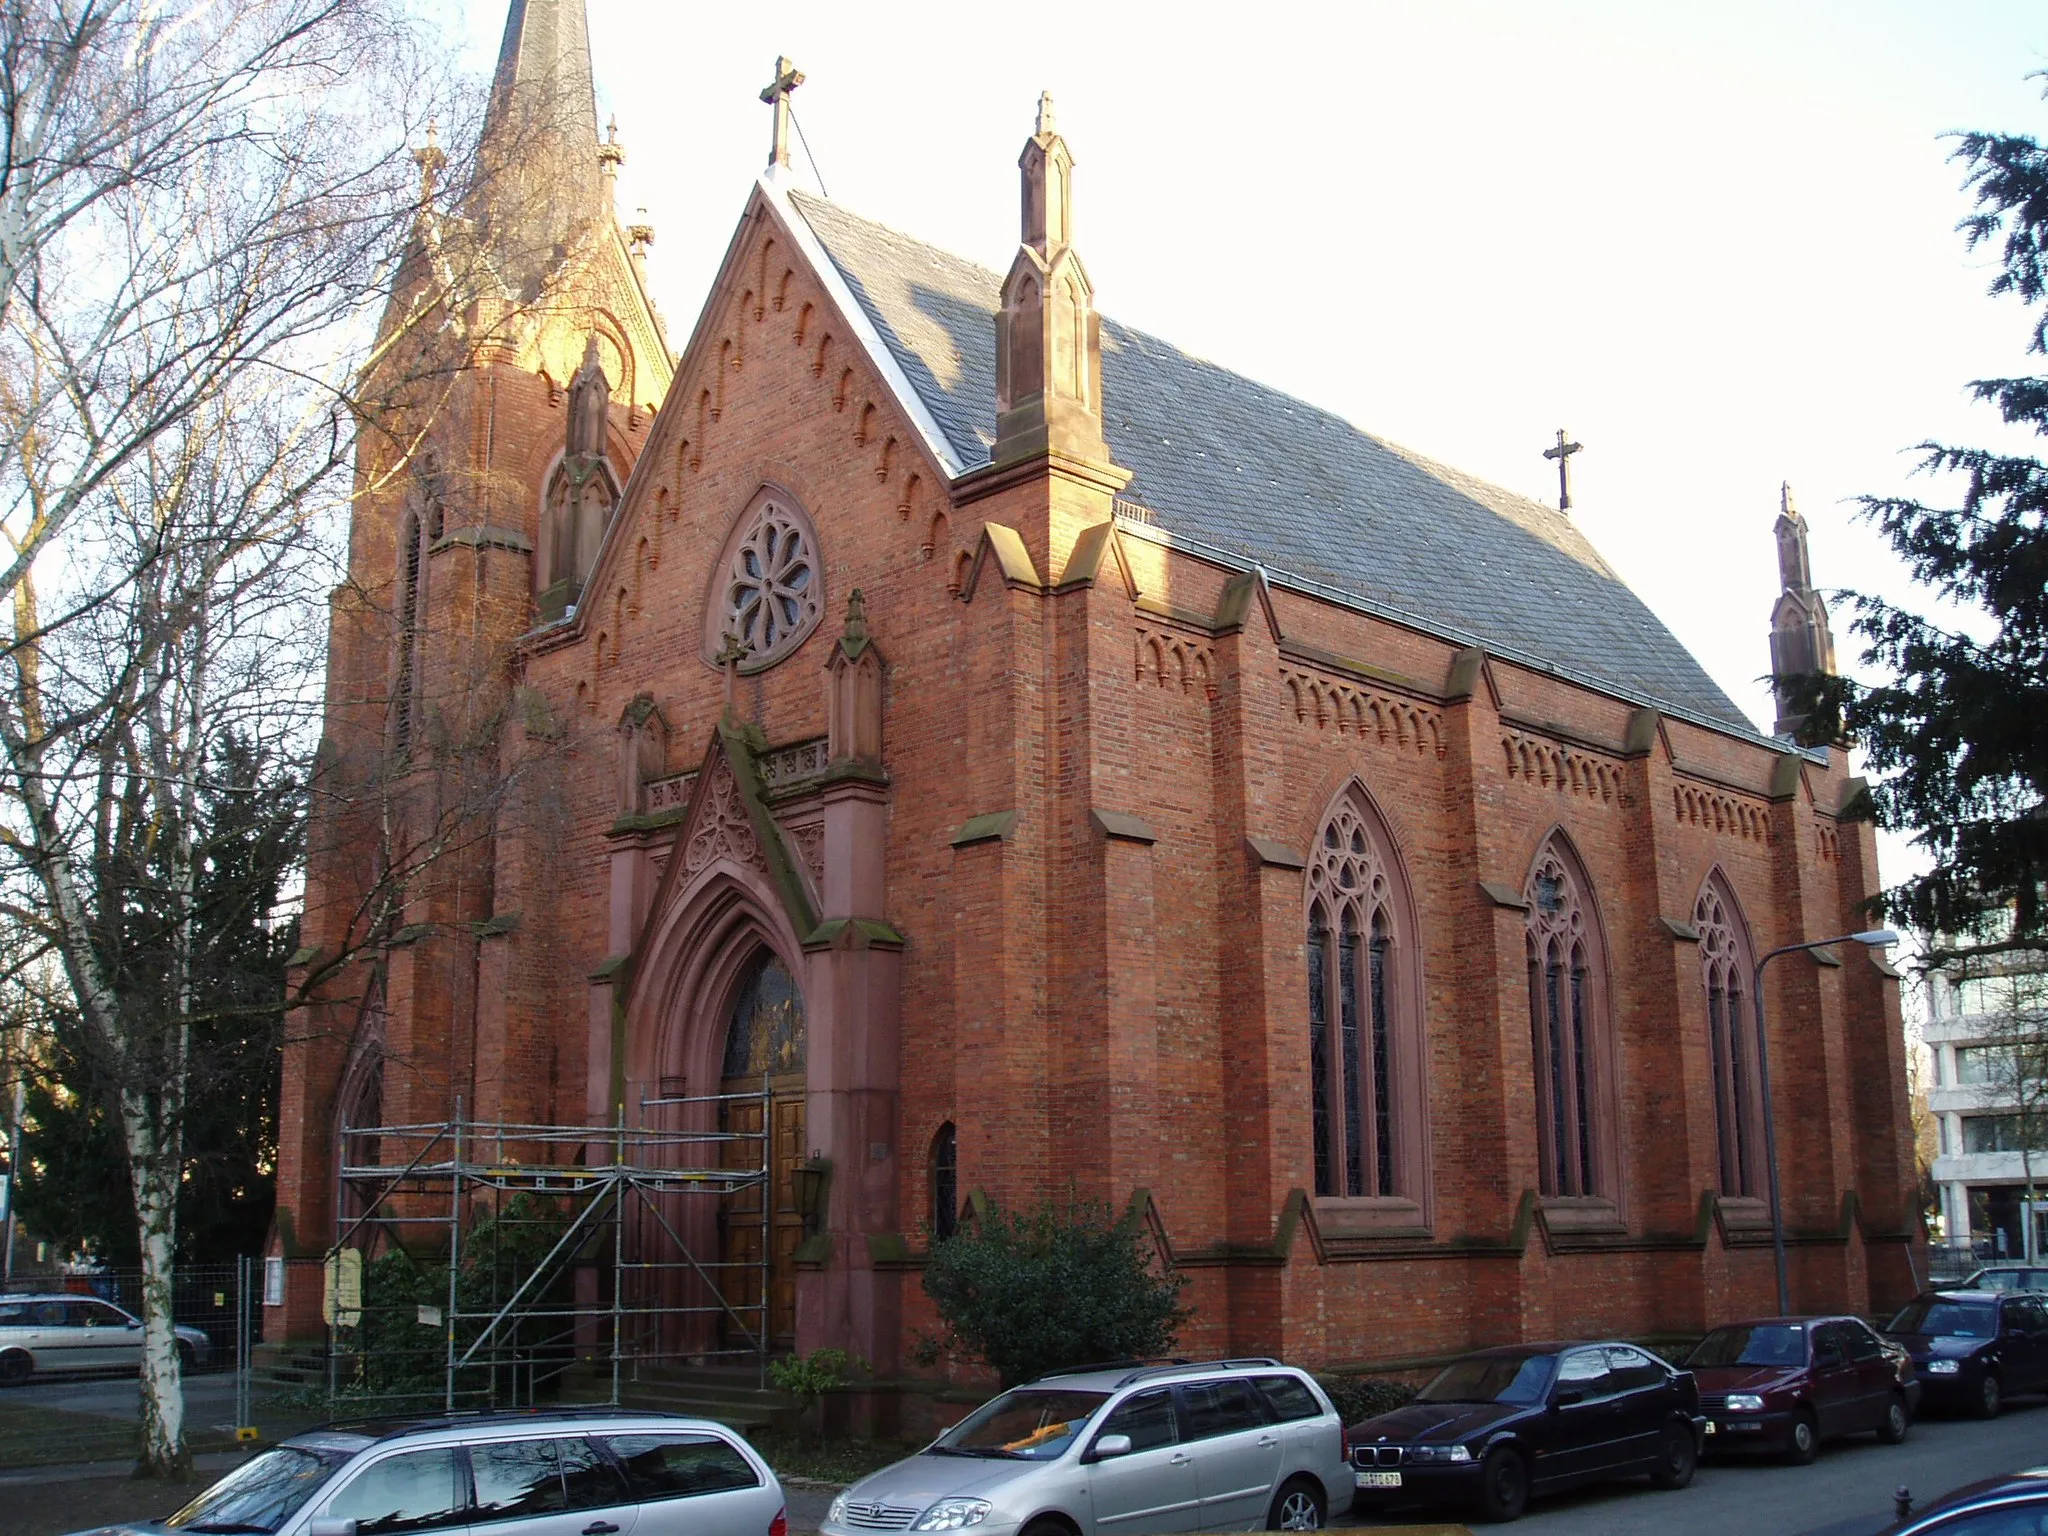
column 1714, row 240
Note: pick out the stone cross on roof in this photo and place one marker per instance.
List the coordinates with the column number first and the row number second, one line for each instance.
column 787, row 78
column 1563, row 454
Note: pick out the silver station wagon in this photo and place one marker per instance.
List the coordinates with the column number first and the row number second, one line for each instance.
column 596, row 1472
column 1231, row 1445
column 40, row 1335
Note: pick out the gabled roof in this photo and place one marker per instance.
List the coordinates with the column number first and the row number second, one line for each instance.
column 1235, row 468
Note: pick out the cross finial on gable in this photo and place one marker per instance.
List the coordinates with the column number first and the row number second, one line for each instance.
column 1563, row 454
column 787, row 78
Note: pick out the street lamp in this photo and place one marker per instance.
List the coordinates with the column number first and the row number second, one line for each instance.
column 1875, row 938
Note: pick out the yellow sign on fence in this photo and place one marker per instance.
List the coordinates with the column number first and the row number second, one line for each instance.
column 342, row 1303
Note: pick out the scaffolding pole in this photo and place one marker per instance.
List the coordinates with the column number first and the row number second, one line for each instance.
column 666, row 1302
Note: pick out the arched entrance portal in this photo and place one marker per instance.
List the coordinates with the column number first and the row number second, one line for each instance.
column 762, row 1080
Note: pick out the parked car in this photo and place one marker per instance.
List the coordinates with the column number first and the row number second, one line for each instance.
column 1502, row 1425
column 1971, row 1349
column 1785, row 1384
column 1230, row 1445
column 2006, row 1277
column 601, row 1472
column 1998, row 1506
column 42, row 1335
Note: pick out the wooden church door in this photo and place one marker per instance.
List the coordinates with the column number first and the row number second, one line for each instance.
column 764, row 1051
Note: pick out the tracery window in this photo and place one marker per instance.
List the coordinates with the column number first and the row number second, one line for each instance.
column 1726, row 967
column 945, row 1182
column 1365, row 1083
column 1567, row 1017
column 768, row 592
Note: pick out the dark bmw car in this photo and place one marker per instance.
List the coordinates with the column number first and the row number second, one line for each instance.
column 1785, row 1384
column 1973, row 1349
column 1503, row 1425
column 1998, row 1506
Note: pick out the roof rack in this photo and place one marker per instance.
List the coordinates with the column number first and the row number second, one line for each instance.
column 385, row 1426
column 1238, row 1363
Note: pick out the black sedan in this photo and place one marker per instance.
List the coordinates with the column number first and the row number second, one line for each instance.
column 1504, row 1424
column 1971, row 1349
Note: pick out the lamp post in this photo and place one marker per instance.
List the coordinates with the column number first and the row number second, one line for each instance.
column 1875, row 938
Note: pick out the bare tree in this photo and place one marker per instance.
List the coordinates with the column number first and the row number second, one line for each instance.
column 200, row 212
column 2014, row 1042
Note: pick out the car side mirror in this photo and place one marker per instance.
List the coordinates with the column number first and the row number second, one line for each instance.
column 1564, row 1397
column 1107, row 1446
column 134, row 1322
column 329, row 1525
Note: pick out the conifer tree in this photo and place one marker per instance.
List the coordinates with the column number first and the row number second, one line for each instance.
column 1957, row 737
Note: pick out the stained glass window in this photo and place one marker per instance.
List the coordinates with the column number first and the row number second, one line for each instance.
column 765, row 1034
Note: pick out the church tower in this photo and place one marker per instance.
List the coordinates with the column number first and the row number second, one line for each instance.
column 519, row 366
column 1801, row 642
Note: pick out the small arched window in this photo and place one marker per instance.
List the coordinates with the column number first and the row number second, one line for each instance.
column 1727, row 964
column 1364, row 1014
column 945, row 1182
column 405, row 687
column 1568, row 1018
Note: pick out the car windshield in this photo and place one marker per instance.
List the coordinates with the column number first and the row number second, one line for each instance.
column 1490, row 1379
column 1763, row 1344
column 260, row 1495
column 1953, row 1319
column 1032, row 1424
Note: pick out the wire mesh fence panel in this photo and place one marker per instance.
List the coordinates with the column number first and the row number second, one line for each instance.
column 71, row 1351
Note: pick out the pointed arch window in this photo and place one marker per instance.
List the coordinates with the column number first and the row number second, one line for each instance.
column 1727, row 964
column 1367, row 1113
column 945, row 1182
column 1568, row 1027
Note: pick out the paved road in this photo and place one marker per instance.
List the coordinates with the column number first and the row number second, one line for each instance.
column 1848, row 1492
column 209, row 1397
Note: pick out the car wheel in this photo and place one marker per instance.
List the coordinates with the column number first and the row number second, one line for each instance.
column 1990, row 1397
column 1895, row 1423
column 1503, row 1486
column 1298, row 1506
column 1677, row 1457
column 15, row 1367
column 1804, row 1442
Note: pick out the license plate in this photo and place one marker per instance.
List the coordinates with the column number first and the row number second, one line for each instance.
column 1712, row 1426
column 1379, row 1480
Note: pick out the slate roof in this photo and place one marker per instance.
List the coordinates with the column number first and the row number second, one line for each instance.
column 1230, row 463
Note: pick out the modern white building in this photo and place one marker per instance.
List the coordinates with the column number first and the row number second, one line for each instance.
column 1980, row 1168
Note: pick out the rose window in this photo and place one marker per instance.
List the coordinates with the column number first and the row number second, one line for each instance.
column 772, row 592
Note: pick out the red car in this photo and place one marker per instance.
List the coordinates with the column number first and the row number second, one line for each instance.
column 1785, row 1384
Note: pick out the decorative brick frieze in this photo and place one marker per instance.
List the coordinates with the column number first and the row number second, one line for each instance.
column 1699, row 806
column 1570, row 770
column 1367, row 714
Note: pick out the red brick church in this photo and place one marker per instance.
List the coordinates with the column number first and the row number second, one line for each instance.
column 1004, row 755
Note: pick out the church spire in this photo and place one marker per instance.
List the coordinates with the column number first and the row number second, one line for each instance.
column 1801, row 642
column 1048, row 336
column 539, row 153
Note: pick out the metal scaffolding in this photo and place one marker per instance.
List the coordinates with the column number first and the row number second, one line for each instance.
column 557, row 1248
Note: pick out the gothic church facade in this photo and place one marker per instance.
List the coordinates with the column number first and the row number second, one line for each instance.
column 1038, row 762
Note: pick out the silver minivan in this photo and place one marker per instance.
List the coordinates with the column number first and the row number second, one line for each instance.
column 1230, row 1445
column 595, row 1472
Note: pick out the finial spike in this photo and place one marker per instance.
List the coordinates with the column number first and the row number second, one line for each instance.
column 1045, row 117
column 1785, row 505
